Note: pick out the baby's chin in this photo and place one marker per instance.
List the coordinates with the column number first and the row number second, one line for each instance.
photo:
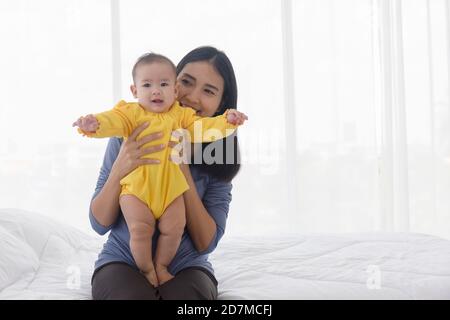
column 156, row 107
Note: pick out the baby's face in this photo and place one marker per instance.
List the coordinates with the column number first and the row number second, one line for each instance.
column 155, row 86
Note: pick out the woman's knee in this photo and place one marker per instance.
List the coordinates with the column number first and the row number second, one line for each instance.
column 189, row 284
column 119, row 281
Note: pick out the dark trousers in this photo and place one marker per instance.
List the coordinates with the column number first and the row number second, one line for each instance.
column 120, row 281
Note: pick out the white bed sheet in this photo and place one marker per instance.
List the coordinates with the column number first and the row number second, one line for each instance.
column 43, row 259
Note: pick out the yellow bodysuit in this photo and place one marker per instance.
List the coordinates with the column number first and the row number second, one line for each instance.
column 158, row 185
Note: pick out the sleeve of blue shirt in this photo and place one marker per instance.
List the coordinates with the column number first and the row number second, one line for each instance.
column 112, row 150
column 217, row 200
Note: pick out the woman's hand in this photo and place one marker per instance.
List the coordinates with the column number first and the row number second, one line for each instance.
column 181, row 148
column 131, row 151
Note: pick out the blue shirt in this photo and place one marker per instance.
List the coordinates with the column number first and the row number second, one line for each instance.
column 215, row 195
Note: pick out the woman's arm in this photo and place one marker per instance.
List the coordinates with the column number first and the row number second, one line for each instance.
column 201, row 226
column 105, row 203
column 118, row 162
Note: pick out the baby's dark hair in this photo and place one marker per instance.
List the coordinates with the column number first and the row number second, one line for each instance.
column 151, row 57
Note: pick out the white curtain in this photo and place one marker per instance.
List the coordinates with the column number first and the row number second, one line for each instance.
column 348, row 103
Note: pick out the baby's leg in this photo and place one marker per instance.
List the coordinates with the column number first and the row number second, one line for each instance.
column 141, row 225
column 171, row 226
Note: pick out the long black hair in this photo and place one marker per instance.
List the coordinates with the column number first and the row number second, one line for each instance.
column 229, row 167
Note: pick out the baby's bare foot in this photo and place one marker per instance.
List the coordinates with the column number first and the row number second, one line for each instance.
column 152, row 277
column 163, row 274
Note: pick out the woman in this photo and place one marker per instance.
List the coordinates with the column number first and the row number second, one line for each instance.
column 208, row 85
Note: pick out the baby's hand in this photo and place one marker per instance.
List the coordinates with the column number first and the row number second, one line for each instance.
column 88, row 123
column 235, row 117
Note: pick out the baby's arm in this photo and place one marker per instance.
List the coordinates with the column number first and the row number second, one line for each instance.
column 213, row 128
column 118, row 122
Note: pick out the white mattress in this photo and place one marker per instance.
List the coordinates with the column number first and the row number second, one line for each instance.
column 43, row 259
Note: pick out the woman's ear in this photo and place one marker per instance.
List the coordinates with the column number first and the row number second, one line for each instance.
column 133, row 91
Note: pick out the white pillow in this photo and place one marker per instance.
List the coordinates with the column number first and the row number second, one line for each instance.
column 16, row 258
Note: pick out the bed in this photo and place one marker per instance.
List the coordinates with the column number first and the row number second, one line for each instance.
column 44, row 259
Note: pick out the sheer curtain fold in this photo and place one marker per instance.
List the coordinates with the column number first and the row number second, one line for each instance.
column 408, row 105
column 403, row 185
column 394, row 215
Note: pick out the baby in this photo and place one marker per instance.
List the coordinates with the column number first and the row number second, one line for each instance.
column 151, row 193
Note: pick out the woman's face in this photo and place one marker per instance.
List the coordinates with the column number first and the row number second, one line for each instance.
column 200, row 87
